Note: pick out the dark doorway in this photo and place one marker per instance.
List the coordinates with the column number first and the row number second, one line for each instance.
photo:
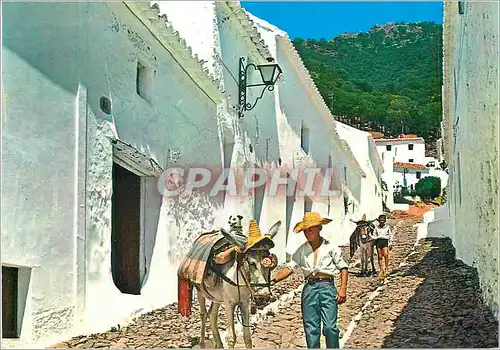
column 126, row 230
column 9, row 302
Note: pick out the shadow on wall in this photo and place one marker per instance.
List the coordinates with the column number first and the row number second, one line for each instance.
column 446, row 310
column 189, row 215
column 56, row 40
column 153, row 208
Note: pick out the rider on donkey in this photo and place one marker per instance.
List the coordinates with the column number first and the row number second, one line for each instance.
column 318, row 259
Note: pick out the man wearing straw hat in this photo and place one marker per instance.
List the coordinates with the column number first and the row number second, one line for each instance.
column 318, row 259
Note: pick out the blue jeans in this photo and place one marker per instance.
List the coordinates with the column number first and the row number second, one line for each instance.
column 319, row 305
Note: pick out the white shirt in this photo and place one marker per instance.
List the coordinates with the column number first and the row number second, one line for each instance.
column 383, row 233
column 329, row 259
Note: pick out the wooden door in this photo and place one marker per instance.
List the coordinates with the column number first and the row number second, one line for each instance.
column 126, row 230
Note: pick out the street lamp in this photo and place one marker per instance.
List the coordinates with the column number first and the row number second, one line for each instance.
column 269, row 73
column 405, row 171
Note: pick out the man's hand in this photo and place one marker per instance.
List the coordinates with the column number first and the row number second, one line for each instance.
column 342, row 293
column 281, row 276
column 341, row 296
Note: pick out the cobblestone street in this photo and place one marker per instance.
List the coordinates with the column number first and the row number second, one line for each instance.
column 428, row 300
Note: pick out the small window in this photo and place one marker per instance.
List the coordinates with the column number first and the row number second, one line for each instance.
column 304, row 138
column 410, row 160
column 461, row 7
column 388, row 147
column 308, row 203
column 9, row 302
column 105, row 105
column 419, row 174
column 144, row 79
column 410, row 146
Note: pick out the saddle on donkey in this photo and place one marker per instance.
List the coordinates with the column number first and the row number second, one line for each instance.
column 209, row 250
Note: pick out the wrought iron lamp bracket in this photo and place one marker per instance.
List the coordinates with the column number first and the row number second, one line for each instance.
column 243, row 105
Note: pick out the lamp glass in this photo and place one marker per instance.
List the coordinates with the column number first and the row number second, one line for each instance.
column 268, row 73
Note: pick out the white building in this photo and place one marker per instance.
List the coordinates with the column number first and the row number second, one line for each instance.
column 407, row 175
column 405, row 149
column 470, row 138
column 409, row 163
column 97, row 102
column 99, row 99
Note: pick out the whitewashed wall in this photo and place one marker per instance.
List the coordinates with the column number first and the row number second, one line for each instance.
column 388, row 177
column 62, row 139
column 371, row 192
column 471, row 136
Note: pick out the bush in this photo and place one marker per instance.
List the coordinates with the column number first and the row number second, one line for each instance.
column 405, row 192
column 428, row 187
column 399, row 199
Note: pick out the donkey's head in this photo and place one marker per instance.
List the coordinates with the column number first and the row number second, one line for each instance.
column 255, row 260
column 365, row 234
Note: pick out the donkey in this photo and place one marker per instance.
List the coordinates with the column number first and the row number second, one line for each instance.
column 244, row 278
column 362, row 237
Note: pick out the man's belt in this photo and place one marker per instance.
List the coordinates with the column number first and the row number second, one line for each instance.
column 319, row 277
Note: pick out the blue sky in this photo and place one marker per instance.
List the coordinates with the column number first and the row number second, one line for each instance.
column 329, row 19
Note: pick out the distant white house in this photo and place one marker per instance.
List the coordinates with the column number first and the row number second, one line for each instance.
column 405, row 149
column 408, row 174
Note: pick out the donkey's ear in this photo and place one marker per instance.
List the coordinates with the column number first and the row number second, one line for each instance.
column 240, row 243
column 274, row 229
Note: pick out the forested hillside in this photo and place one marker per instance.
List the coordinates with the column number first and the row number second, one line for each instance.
column 388, row 79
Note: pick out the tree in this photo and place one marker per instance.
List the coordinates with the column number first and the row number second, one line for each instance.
column 391, row 73
column 428, row 187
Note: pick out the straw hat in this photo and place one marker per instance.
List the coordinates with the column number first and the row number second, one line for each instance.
column 255, row 236
column 310, row 220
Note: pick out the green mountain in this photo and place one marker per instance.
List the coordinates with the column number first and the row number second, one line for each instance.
column 387, row 79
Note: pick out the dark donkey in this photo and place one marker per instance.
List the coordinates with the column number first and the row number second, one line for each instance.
column 362, row 238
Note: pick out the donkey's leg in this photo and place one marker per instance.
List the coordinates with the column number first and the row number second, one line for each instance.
column 363, row 260
column 213, row 314
column 367, row 259
column 231, row 333
column 203, row 318
column 245, row 316
column 365, row 267
column 372, row 251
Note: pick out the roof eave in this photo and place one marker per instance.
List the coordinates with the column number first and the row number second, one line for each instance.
column 237, row 14
column 379, row 160
column 164, row 32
